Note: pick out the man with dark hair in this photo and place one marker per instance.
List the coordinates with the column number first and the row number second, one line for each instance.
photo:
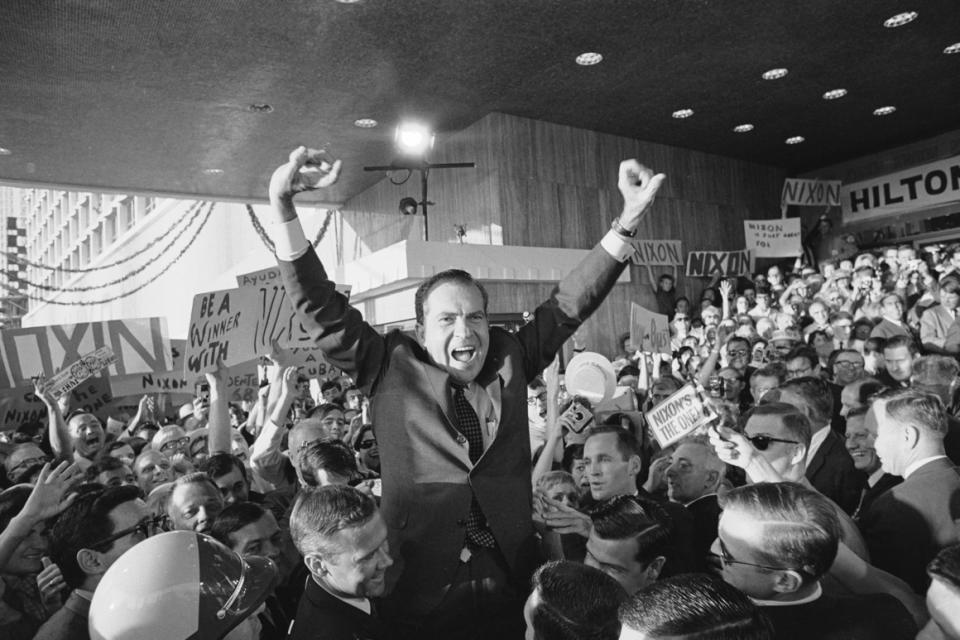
column 87, row 537
column 250, row 530
column 943, row 596
column 766, row 379
column 891, row 314
column 446, row 398
column 830, row 468
column 570, row 601
column 343, row 540
column 847, row 366
column 906, row 526
column 228, row 473
column 692, row 605
column 330, row 392
column 631, row 541
column 860, row 444
column 937, row 319
column 802, row 361
column 194, row 503
column 774, row 543
column 110, row 472
column 327, row 462
column 899, row 352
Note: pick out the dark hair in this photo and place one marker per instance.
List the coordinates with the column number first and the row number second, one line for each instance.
column 627, row 443
column 357, row 439
column 330, row 384
column 772, row 370
column 84, row 523
column 576, row 602
column 806, row 532
column 628, row 370
column 104, row 463
column 794, row 421
column 946, row 566
column 898, row 341
column 233, row 518
column 816, row 396
column 736, row 338
column 450, row 275
column 332, row 456
column 628, row 517
column 321, row 411
column 570, row 453
column 695, row 606
column 321, row 512
column 220, row 464
column 12, row 501
column 803, row 351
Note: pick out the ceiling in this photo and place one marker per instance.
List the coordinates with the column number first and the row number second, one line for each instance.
column 156, row 96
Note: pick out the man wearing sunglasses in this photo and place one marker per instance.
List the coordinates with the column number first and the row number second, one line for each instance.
column 773, row 448
column 774, row 543
column 95, row 530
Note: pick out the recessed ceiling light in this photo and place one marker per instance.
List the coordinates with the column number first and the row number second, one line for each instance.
column 259, row 107
column 900, row 19
column 589, row 58
column 795, row 140
column 884, row 111
column 774, row 74
column 5, row 152
column 213, row 172
column 348, row 1
column 743, row 128
column 833, row 94
column 954, row 48
column 365, row 123
column 680, row 114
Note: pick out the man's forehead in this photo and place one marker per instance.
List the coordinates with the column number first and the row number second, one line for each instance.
column 769, row 424
column 600, row 443
column 451, row 295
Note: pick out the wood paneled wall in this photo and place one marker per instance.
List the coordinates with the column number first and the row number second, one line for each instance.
column 547, row 185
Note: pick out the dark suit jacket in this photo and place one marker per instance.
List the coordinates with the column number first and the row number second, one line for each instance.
column 875, row 616
column 69, row 622
column 321, row 616
column 832, row 473
column 906, row 526
column 706, row 516
column 428, row 480
column 887, row 481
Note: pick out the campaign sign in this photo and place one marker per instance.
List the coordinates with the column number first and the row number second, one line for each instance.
column 718, row 263
column 677, row 416
column 657, row 253
column 649, row 331
column 773, row 238
column 139, row 345
column 810, row 193
column 86, row 367
column 220, row 331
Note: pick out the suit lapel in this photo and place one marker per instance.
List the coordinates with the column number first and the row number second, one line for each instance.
column 820, row 457
column 437, row 378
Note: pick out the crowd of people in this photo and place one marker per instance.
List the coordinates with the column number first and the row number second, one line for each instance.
column 417, row 495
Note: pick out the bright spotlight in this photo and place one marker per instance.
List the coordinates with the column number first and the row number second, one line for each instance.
column 413, row 139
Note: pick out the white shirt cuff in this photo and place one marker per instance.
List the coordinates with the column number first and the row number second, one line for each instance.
column 288, row 239
column 616, row 245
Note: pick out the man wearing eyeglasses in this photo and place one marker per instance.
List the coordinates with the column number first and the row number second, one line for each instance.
column 775, row 542
column 86, row 539
column 773, row 448
column 24, row 457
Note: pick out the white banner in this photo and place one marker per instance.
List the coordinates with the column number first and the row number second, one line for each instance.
column 810, row 193
column 86, row 367
column 773, row 238
column 910, row 190
column 678, row 415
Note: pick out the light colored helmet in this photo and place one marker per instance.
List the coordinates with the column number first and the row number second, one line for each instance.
column 180, row 585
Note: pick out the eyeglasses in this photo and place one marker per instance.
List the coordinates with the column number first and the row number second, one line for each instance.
column 366, row 444
column 532, row 400
column 848, row 364
column 738, row 353
column 726, row 559
column 762, row 443
column 145, row 528
column 23, row 465
column 171, row 445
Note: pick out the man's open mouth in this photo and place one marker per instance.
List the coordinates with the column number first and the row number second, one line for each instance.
column 463, row 354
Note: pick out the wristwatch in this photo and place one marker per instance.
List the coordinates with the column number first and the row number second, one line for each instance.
column 620, row 230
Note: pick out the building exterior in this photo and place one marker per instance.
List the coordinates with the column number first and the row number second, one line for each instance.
column 12, row 272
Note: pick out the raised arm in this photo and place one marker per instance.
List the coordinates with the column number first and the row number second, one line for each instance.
column 218, row 420
column 59, row 434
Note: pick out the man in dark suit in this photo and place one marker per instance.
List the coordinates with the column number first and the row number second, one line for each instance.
column 906, row 526
column 450, row 409
column 343, row 541
column 860, row 443
column 830, row 468
column 694, row 474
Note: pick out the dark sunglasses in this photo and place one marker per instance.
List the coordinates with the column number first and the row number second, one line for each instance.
column 146, row 528
column 366, row 444
column 762, row 443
